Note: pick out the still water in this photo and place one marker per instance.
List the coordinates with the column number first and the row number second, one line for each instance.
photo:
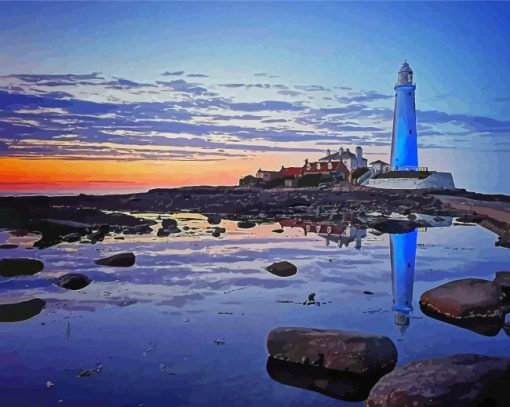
column 187, row 325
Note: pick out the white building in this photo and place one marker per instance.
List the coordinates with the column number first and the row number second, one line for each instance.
column 350, row 160
column 376, row 167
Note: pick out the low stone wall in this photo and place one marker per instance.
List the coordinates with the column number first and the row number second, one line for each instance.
column 438, row 180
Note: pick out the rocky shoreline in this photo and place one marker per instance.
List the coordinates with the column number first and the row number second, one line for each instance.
column 90, row 217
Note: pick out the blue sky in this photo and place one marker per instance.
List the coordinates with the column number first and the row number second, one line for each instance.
column 327, row 70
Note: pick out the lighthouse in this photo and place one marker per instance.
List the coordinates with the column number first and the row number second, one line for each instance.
column 404, row 144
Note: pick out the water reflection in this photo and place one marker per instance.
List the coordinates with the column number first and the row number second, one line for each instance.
column 403, row 259
column 339, row 385
column 342, row 232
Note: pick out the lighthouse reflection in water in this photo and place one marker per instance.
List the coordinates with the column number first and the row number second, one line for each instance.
column 403, row 259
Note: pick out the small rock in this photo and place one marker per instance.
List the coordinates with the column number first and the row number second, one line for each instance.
column 169, row 223
column 454, row 381
column 214, row 219
column 368, row 292
column 219, row 342
column 359, row 353
column 96, row 236
column 20, row 267
column 282, row 269
column 73, row 281
column 8, row 246
column 246, row 224
column 90, row 372
column 277, row 230
column 117, row 260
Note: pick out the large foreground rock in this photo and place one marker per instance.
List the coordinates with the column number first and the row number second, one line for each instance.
column 117, row 260
column 343, row 351
column 459, row 380
column 469, row 298
column 282, row 269
column 21, row 311
column 73, row 281
column 20, row 267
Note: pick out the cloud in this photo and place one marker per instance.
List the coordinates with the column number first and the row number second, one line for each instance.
column 232, row 85
column 312, row 88
column 370, row 96
column 180, row 85
column 119, row 83
column 289, row 93
column 273, row 105
column 121, row 119
column 197, row 75
column 176, row 73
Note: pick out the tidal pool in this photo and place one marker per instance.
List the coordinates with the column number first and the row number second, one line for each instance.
column 187, row 325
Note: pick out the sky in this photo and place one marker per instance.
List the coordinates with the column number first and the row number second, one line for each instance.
column 101, row 97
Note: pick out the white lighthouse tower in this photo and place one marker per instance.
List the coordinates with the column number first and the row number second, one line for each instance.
column 404, row 143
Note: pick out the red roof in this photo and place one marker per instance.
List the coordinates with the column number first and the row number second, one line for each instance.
column 323, row 167
column 291, row 171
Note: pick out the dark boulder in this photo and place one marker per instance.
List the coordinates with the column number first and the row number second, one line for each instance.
column 454, row 381
column 469, row 298
column 20, row 267
column 214, row 219
column 169, row 223
column 73, row 281
column 21, row 311
column 343, row 351
column 96, row 236
column 162, row 232
column 246, row 224
column 282, row 269
column 338, row 385
column 117, row 260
